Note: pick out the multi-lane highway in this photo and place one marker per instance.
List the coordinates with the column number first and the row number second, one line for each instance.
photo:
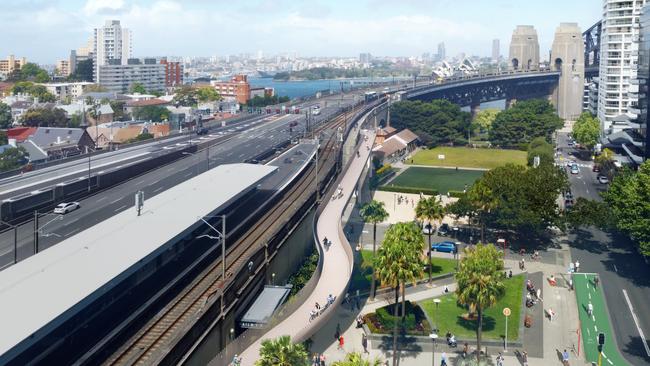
column 231, row 144
column 623, row 272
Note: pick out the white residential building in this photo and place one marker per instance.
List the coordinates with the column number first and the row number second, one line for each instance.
column 111, row 42
column 618, row 61
column 64, row 90
column 119, row 78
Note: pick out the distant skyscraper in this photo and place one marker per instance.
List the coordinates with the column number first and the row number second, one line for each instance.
column 365, row 58
column 495, row 51
column 619, row 54
column 441, row 51
column 111, row 42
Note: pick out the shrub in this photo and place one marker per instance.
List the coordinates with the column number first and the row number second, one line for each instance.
column 400, row 189
column 383, row 169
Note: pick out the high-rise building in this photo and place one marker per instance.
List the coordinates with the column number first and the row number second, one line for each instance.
column 11, row 63
column 120, row 78
column 111, row 42
column 441, row 51
column 495, row 51
column 618, row 62
column 173, row 73
column 64, row 67
column 365, row 58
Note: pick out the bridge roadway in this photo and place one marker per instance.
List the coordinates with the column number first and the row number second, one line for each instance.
column 270, row 131
column 337, row 265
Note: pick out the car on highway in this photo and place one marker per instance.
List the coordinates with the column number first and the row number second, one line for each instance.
column 445, row 247
column 64, row 208
column 444, row 229
column 202, row 131
column 575, row 169
column 596, row 168
column 602, row 179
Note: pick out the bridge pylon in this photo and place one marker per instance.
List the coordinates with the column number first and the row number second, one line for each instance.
column 567, row 56
column 524, row 49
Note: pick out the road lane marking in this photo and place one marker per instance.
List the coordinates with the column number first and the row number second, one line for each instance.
column 71, row 232
column 140, row 182
column 636, row 323
column 171, row 169
column 117, row 200
column 616, row 269
column 101, row 199
column 120, row 208
column 188, row 174
column 158, row 189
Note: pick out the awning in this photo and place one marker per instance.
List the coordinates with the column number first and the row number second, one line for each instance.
column 266, row 304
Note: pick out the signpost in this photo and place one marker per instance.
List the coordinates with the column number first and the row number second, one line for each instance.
column 506, row 313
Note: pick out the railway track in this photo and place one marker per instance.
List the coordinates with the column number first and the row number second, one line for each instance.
column 143, row 348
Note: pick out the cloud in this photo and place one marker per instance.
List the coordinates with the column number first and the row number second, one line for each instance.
column 104, row 7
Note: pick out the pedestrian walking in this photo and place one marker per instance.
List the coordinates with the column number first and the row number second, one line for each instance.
column 443, row 359
column 317, row 306
column 500, row 359
column 341, row 342
column 364, row 343
column 315, row 361
column 596, row 281
column 565, row 358
column 322, row 359
column 577, row 266
column 524, row 358
column 590, row 309
column 337, row 334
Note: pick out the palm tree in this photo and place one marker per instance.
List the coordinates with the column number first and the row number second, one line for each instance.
column 399, row 260
column 374, row 212
column 430, row 209
column 356, row 359
column 480, row 282
column 281, row 352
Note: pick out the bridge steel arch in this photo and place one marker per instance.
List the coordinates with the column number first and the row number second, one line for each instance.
column 471, row 91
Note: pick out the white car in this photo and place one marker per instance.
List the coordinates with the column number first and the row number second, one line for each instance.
column 575, row 169
column 602, row 179
column 64, row 208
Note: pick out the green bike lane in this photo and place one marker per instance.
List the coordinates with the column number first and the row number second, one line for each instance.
column 587, row 292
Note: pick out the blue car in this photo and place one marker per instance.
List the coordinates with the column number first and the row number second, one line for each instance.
column 445, row 246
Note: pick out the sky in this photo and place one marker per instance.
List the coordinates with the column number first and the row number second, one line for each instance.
column 46, row 30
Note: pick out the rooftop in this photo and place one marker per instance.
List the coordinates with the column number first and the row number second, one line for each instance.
column 70, row 272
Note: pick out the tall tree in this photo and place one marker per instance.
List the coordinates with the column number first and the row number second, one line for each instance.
column 6, row 119
column 151, row 113
column 29, row 72
column 282, row 352
column 45, row 117
column 118, row 110
column 375, row 213
column 356, row 359
column 541, row 148
column 186, row 96
column 399, row 260
column 586, row 130
column 208, row 94
column 13, row 158
column 138, row 88
column 485, row 118
column 523, row 122
column 437, row 122
column 36, row 91
column 628, row 198
column 430, row 209
column 480, row 283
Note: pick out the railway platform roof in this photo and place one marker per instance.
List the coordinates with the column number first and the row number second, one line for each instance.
column 46, row 289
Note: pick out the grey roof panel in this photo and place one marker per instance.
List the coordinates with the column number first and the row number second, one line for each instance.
column 264, row 306
column 40, row 289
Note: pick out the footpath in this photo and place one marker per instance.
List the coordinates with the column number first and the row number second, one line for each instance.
column 544, row 348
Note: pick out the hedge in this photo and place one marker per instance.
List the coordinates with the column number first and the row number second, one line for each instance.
column 400, row 189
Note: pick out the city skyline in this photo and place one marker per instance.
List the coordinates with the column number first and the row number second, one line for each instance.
column 45, row 31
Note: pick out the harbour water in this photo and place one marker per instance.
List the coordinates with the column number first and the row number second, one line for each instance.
column 297, row 89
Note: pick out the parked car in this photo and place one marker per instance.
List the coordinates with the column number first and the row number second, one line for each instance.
column 64, row 208
column 445, row 247
column 603, row 179
column 575, row 169
column 596, row 168
column 443, row 229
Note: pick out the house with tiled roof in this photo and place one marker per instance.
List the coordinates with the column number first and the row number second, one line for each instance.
column 55, row 142
column 396, row 147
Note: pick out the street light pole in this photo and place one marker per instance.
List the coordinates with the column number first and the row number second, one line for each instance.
column 433, row 337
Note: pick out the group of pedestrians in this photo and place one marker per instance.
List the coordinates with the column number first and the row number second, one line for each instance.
column 318, row 360
column 317, row 309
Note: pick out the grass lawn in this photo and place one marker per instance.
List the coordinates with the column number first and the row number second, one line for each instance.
column 468, row 157
column 441, row 179
column 450, row 314
column 383, row 320
column 362, row 276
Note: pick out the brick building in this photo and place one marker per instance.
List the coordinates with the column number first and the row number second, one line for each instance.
column 173, row 73
column 237, row 88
